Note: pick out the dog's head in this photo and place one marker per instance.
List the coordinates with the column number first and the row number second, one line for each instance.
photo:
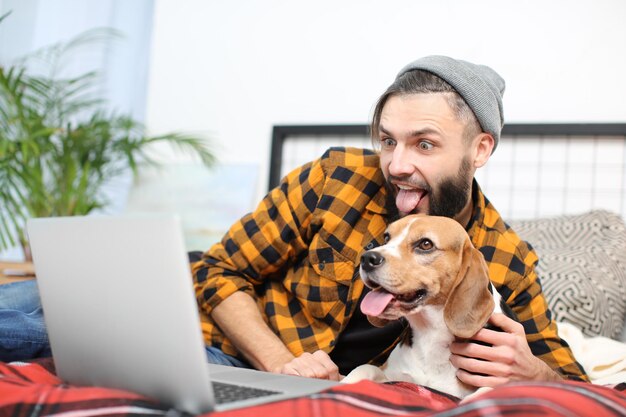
column 427, row 260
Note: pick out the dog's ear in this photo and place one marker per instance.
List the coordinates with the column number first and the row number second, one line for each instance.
column 470, row 303
column 377, row 321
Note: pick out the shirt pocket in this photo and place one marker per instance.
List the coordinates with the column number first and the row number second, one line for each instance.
column 324, row 284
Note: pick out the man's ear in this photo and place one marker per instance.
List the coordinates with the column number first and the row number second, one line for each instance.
column 483, row 147
column 470, row 302
column 377, row 321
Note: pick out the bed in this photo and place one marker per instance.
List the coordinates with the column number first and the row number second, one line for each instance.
column 561, row 186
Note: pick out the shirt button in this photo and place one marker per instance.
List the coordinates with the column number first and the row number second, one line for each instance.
column 322, row 265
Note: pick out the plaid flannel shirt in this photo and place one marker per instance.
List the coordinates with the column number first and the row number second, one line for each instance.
column 298, row 253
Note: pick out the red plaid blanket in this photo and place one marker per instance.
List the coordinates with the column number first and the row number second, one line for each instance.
column 33, row 390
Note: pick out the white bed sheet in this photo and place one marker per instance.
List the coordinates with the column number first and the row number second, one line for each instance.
column 603, row 358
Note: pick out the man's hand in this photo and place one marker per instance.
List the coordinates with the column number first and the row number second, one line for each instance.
column 311, row 365
column 508, row 359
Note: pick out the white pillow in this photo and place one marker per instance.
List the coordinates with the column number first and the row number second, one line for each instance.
column 582, row 267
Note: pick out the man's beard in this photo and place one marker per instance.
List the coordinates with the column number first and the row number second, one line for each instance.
column 447, row 200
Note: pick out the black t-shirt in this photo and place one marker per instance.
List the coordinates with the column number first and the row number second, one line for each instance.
column 361, row 342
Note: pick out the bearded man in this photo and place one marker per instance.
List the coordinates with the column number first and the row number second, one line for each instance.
column 281, row 291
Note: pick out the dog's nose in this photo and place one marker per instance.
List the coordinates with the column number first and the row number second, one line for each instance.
column 371, row 260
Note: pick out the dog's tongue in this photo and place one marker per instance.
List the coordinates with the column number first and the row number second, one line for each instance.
column 407, row 200
column 374, row 302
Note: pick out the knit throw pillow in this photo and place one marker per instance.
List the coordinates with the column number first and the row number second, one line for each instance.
column 582, row 267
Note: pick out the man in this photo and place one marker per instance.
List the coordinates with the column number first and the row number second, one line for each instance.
column 281, row 291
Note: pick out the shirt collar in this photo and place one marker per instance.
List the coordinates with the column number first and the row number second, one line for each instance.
column 378, row 203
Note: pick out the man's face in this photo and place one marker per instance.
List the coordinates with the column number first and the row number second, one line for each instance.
column 424, row 156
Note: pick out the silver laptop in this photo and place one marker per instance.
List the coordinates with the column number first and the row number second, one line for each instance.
column 120, row 310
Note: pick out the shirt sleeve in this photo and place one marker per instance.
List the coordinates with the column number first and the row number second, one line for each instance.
column 530, row 305
column 260, row 244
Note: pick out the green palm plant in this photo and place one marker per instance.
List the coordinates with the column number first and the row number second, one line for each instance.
column 59, row 146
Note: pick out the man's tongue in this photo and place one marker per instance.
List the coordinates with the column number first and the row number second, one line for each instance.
column 407, row 200
column 374, row 302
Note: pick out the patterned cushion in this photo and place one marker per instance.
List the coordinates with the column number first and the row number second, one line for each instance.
column 582, row 267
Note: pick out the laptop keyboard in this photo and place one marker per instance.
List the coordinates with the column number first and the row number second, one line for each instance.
column 226, row 393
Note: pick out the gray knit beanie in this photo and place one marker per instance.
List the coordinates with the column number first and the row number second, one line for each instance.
column 480, row 86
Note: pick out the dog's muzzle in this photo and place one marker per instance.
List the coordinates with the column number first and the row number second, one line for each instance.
column 371, row 260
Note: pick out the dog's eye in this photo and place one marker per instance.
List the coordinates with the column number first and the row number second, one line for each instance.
column 386, row 237
column 424, row 245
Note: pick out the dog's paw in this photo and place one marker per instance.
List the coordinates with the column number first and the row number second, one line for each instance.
column 362, row 372
column 475, row 394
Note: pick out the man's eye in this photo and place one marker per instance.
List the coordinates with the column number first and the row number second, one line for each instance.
column 425, row 146
column 424, row 245
column 387, row 142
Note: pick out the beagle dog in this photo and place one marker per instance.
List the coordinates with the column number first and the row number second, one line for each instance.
column 428, row 272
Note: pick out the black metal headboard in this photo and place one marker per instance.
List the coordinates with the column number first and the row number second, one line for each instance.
column 606, row 138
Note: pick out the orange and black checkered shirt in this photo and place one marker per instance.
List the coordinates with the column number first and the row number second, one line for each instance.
column 298, row 254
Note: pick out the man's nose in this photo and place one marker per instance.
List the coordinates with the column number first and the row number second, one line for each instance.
column 371, row 260
column 401, row 164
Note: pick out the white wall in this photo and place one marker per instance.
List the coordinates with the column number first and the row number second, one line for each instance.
column 122, row 62
column 235, row 68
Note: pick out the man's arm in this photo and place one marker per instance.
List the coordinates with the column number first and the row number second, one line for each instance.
column 239, row 318
column 260, row 246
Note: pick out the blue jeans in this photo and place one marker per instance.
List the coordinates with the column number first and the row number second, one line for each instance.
column 216, row 356
column 22, row 329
